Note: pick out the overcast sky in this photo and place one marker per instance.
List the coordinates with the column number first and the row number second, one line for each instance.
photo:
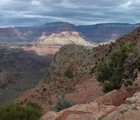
column 36, row 12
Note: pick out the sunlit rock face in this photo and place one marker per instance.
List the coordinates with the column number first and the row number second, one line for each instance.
column 64, row 38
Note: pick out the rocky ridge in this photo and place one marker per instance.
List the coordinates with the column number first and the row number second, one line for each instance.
column 96, row 33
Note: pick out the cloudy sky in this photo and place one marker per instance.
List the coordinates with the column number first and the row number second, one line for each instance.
column 35, row 12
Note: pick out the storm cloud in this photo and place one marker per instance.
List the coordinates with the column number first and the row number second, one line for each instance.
column 36, row 12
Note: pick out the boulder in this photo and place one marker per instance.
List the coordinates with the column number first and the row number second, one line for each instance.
column 128, row 111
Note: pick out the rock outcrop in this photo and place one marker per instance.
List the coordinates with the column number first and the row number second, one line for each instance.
column 128, row 111
column 91, row 111
column 64, row 38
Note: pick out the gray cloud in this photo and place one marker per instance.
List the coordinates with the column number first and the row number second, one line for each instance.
column 35, row 12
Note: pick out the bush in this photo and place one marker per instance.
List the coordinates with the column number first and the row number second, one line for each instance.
column 34, row 105
column 63, row 104
column 20, row 112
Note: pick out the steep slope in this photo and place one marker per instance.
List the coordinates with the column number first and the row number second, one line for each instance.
column 19, row 71
column 82, row 59
column 79, row 90
column 64, row 38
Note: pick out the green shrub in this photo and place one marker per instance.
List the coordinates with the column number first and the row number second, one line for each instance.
column 34, row 105
column 20, row 112
column 63, row 104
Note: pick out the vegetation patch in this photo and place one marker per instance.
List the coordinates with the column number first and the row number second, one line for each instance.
column 63, row 104
column 118, row 68
column 30, row 111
